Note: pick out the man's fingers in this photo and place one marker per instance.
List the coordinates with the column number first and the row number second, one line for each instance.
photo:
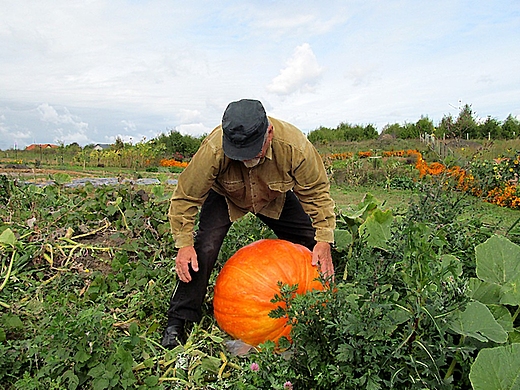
column 183, row 272
column 194, row 265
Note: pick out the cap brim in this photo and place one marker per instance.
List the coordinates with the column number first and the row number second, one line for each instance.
column 242, row 153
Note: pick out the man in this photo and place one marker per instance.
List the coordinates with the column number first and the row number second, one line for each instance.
column 250, row 163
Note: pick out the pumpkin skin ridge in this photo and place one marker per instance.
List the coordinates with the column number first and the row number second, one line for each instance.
column 238, row 269
column 284, row 276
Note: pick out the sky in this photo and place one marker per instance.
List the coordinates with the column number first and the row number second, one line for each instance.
column 93, row 70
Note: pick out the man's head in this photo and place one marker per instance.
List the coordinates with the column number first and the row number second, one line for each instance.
column 244, row 126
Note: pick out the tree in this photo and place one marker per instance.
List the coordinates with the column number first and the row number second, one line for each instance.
column 446, row 127
column 370, row 132
column 511, row 127
column 393, row 129
column 176, row 143
column 491, row 128
column 466, row 126
column 424, row 126
column 119, row 144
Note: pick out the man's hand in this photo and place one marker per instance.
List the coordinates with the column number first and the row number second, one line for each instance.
column 185, row 257
column 322, row 257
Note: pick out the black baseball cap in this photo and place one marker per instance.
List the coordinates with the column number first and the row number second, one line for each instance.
column 244, row 126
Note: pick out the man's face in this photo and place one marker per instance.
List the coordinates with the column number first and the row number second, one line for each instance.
column 256, row 160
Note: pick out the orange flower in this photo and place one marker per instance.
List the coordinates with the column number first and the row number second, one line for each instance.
column 173, row 163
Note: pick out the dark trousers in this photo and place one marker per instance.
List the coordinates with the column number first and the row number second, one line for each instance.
column 293, row 225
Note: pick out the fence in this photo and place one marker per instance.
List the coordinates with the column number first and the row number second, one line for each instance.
column 437, row 146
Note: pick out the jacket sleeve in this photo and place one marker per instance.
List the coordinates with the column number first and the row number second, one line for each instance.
column 313, row 190
column 192, row 189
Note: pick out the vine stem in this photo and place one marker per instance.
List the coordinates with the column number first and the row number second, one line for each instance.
column 4, row 283
column 453, row 364
column 9, row 269
column 517, row 312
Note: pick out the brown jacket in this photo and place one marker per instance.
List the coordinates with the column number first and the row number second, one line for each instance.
column 291, row 163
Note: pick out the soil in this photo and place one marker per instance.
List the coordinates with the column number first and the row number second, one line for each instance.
column 37, row 174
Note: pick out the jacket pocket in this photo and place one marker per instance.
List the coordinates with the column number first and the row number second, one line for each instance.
column 235, row 189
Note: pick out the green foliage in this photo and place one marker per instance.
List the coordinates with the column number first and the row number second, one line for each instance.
column 177, row 144
column 511, row 127
column 343, row 132
column 65, row 325
column 86, row 275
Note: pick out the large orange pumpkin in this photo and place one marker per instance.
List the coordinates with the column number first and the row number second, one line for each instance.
column 249, row 281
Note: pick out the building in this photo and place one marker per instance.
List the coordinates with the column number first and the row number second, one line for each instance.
column 100, row 147
column 41, row 146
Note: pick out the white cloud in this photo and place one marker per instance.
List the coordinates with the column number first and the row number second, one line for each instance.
column 49, row 114
column 195, row 129
column 189, row 116
column 301, row 73
column 68, row 138
column 129, row 125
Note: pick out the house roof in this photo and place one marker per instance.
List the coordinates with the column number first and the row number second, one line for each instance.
column 102, row 146
column 41, row 146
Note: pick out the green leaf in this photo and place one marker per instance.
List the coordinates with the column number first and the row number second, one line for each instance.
column 7, row 237
column 514, row 337
column 133, row 329
column 152, row 380
column 488, row 293
column 12, row 321
column 342, row 238
column 81, row 356
column 152, row 328
column 100, row 383
column 216, row 339
column 496, row 368
column 503, row 316
column 125, row 358
column 61, row 178
column 376, row 228
column 210, row 363
column 72, row 379
column 97, row 371
column 2, row 335
column 498, row 261
column 451, row 263
column 477, row 321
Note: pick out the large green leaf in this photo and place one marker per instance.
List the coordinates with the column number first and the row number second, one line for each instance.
column 477, row 321
column 342, row 238
column 497, row 368
column 376, row 228
column 498, row 262
column 488, row 293
column 503, row 316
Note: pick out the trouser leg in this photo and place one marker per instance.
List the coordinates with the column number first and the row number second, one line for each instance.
column 294, row 224
column 214, row 223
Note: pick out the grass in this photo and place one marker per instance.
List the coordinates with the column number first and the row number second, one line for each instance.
column 389, row 198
